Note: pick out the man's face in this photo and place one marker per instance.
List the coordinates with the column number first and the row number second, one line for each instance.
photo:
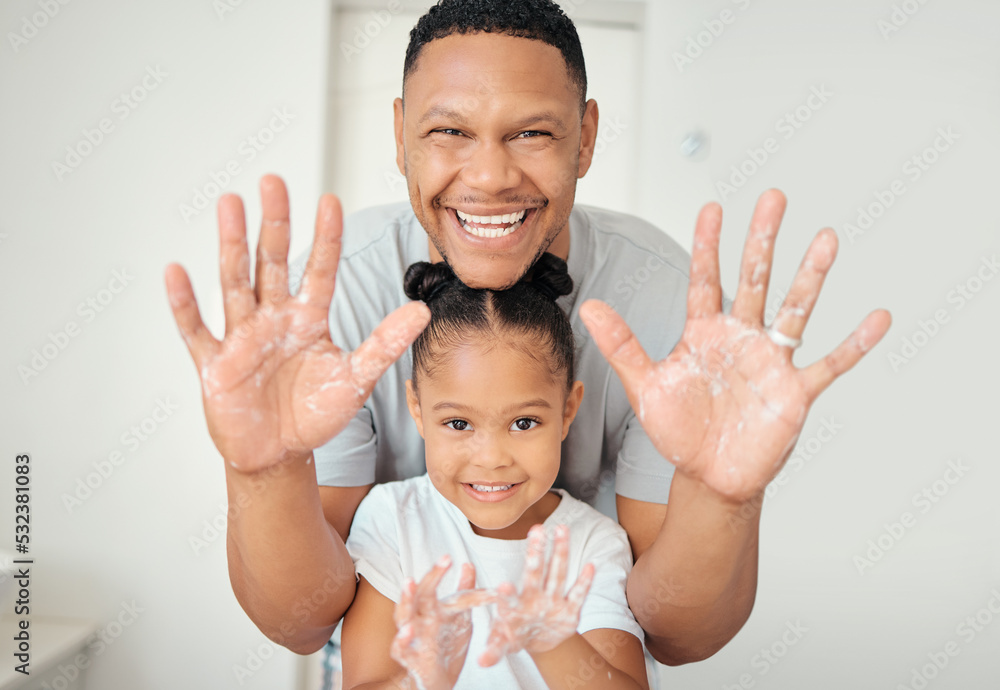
column 492, row 143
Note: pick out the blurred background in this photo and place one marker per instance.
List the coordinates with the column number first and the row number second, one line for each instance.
column 122, row 123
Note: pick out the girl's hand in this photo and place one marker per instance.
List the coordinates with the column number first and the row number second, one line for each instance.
column 433, row 635
column 541, row 616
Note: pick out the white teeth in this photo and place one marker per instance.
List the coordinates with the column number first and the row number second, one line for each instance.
column 490, row 489
column 491, row 232
column 491, row 220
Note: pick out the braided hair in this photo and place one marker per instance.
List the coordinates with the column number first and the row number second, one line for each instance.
column 527, row 309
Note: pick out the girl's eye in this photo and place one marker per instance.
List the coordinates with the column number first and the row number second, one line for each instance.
column 458, row 424
column 523, row 424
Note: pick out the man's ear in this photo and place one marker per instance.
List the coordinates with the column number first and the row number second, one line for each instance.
column 588, row 137
column 572, row 406
column 397, row 111
column 413, row 404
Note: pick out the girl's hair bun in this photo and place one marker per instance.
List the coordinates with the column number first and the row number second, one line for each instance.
column 550, row 276
column 423, row 281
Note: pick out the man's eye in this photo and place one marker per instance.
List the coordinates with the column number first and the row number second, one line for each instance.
column 458, row 424
column 531, row 134
column 523, row 424
column 448, row 130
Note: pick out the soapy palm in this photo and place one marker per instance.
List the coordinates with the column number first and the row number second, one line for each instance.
column 542, row 615
column 276, row 386
column 432, row 638
column 727, row 405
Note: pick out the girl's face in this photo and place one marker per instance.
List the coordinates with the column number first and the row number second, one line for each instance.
column 493, row 420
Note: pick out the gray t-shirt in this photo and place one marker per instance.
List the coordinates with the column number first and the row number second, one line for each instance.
column 614, row 257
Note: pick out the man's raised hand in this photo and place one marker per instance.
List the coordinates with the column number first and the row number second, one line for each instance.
column 276, row 387
column 727, row 405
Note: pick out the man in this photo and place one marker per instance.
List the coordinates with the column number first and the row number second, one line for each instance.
column 492, row 132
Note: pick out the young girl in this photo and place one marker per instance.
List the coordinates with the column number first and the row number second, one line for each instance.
column 493, row 396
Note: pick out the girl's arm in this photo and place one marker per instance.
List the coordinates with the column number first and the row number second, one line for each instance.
column 542, row 619
column 604, row 658
column 365, row 640
column 421, row 642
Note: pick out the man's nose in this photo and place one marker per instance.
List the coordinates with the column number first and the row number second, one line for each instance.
column 491, row 169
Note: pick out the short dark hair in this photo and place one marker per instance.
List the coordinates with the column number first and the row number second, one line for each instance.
column 527, row 309
column 541, row 20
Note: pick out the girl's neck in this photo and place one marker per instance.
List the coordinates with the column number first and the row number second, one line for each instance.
column 534, row 515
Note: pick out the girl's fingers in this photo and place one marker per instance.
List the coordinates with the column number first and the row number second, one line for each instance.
column 404, row 611
column 579, row 590
column 556, row 580
column 534, row 562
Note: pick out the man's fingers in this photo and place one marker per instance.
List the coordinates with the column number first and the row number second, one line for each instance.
column 616, row 342
column 234, row 262
column 798, row 305
column 200, row 342
column 272, row 246
column 824, row 372
column 758, row 251
column 387, row 342
column 705, row 290
column 321, row 268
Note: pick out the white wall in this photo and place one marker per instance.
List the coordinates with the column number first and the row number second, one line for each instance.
column 119, row 210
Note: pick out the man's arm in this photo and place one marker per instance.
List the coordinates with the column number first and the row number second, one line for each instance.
column 288, row 564
column 695, row 578
column 726, row 408
column 274, row 389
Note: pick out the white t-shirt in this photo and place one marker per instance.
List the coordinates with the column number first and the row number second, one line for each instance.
column 402, row 528
column 615, row 257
